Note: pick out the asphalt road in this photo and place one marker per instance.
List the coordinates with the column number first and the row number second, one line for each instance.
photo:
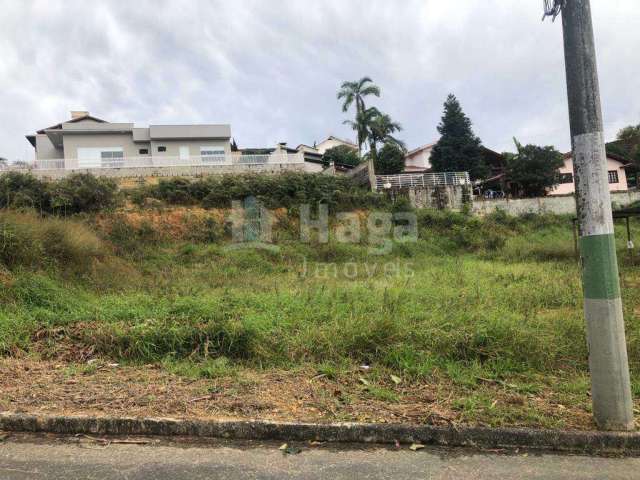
column 37, row 457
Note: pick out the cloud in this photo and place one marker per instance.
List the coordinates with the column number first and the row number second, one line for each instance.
column 272, row 69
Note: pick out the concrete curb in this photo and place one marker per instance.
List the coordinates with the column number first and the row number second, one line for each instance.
column 573, row 441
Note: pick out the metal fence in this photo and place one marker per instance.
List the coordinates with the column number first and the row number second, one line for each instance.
column 421, row 180
column 158, row 161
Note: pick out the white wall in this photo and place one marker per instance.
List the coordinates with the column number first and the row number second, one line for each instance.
column 99, row 140
column 553, row 204
column 419, row 160
column 322, row 147
column 173, row 147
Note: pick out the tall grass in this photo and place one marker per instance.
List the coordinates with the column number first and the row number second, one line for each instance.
column 458, row 301
column 28, row 240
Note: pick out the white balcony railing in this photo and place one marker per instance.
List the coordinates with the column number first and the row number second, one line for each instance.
column 421, row 180
column 160, row 162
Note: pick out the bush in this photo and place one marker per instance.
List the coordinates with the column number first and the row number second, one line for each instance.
column 286, row 190
column 83, row 192
column 23, row 190
column 75, row 194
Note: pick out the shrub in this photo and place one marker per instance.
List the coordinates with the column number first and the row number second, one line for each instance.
column 83, row 192
column 20, row 190
column 75, row 194
column 286, row 190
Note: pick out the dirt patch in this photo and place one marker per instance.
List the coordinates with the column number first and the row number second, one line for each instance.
column 96, row 388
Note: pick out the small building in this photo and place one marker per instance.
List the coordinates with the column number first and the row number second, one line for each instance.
column 616, row 174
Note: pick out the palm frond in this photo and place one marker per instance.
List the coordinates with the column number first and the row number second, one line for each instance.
column 370, row 90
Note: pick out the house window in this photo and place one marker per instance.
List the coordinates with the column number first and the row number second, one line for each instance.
column 100, row 157
column 184, row 153
column 613, row 176
column 162, row 148
column 212, row 154
column 112, row 159
column 143, row 151
column 565, row 178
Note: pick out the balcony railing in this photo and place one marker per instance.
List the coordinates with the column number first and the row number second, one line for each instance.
column 421, row 180
column 160, row 162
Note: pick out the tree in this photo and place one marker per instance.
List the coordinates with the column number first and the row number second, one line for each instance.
column 390, row 159
column 630, row 134
column 353, row 93
column 458, row 150
column 380, row 130
column 533, row 170
column 627, row 144
column 342, row 154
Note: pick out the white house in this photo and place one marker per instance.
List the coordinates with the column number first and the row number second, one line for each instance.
column 89, row 144
column 331, row 142
column 86, row 141
column 418, row 159
column 615, row 170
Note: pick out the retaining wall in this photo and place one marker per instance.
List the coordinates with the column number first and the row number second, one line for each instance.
column 177, row 171
column 439, row 197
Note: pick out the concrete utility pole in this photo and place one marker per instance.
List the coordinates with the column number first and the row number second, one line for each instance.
column 610, row 386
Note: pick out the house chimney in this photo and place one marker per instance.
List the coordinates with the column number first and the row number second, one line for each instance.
column 78, row 114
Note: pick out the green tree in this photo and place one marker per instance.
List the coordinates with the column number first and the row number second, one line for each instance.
column 533, row 170
column 390, row 159
column 378, row 127
column 458, row 150
column 342, row 154
column 353, row 93
column 627, row 144
column 381, row 129
column 630, row 134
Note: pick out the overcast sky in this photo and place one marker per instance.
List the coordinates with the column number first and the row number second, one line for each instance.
column 271, row 68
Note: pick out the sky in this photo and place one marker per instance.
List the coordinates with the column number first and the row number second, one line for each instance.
column 271, row 68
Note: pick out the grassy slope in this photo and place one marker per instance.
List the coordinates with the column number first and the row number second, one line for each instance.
column 505, row 315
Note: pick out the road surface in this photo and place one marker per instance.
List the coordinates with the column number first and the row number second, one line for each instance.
column 51, row 457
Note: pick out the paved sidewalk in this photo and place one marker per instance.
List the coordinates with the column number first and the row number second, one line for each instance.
column 37, row 457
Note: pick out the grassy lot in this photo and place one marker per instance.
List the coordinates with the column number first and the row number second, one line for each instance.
column 480, row 321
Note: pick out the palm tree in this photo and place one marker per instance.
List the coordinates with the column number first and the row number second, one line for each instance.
column 380, row 130
column 362, row 124
column 354, row 93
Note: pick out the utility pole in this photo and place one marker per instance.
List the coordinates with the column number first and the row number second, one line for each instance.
column 610, row 386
